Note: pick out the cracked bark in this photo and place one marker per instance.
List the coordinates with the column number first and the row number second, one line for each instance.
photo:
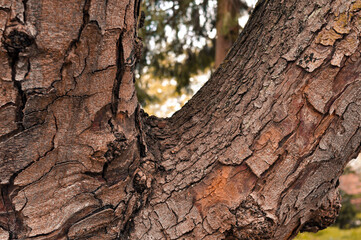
column 256, row 154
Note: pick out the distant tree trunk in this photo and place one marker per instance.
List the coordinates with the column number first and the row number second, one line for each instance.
column 228, row 12
column 256, row 154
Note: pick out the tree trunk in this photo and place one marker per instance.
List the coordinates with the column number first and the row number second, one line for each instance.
column 256, row 154
column 227, row 26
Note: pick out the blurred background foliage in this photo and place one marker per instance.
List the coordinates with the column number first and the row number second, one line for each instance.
column 347, row 216
column 184, row 41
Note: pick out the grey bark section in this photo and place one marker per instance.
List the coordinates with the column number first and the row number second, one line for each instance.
column 256, row 154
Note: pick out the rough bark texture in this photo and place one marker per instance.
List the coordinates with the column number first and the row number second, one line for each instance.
column 256, row 154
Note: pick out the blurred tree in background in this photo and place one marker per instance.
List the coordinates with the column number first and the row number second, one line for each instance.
column 183, row 39
column 348, row 212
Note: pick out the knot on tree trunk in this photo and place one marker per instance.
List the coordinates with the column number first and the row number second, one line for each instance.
column 253, row 222
column 324, row 216
column 18, row 38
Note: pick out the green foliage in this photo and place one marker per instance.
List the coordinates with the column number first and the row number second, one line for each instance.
column 332, row 233
column 179, row 42
column 348, row 170
column 144, row 97
column 229, row 23
column 347, row 214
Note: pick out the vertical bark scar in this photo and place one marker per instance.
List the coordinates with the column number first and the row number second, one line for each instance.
column 15, row 42
column 119, row 75
column 25, row 9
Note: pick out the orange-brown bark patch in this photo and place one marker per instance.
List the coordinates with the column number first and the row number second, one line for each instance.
column 273, row 135
column 323, row 126
column 341, row 23
column 356, row 6
column 309, row 119
column 228, row 185
column 327, row 37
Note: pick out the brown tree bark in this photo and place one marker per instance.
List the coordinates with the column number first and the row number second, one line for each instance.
column 256, row 154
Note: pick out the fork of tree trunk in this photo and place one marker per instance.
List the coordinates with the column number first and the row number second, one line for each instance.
column 255, row 154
